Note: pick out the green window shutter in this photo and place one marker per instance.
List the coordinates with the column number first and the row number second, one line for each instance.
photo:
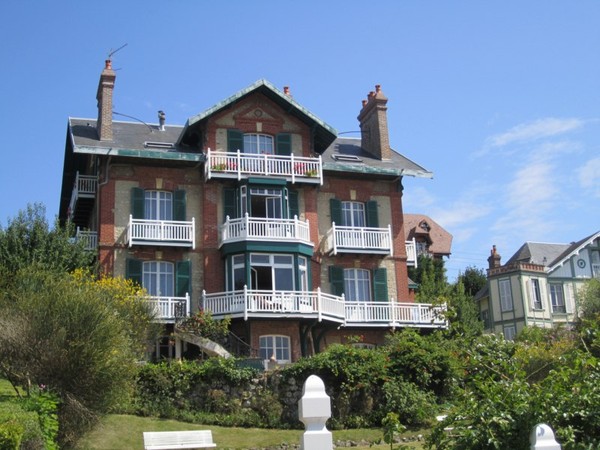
column 380, row 288
column 133, row 270
column 235, row 141
column 283, row 144
column 336, row 277
column 229, row 203
column 182, row 278
column 335, row 207
column 179, row 205
column 371, row 214
column 137, row 203
column 293, row 205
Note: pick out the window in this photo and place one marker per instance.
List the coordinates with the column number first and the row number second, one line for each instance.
column 158, row 205
column 357, row 285
column 269, row 272
column 485, row 318
column 161, row 278
column 506, row 301
column 275, row 347
column 354, row 214
column 258, row 144
column 536, row 296
column 509, row 332
column 274, row 203
column 158, row 278
column 558, row 298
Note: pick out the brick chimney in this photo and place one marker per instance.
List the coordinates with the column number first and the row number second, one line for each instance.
column 494, row 259
column 105, row 97
column 373, row 125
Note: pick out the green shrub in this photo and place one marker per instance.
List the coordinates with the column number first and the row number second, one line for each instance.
column 11, row 434
column 412, row 405
column 18, row 426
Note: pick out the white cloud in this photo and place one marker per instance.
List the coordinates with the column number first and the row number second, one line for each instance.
column 589, row 176
column 531, row 131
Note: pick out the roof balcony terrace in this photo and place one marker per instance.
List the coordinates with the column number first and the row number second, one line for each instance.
column 238, row 165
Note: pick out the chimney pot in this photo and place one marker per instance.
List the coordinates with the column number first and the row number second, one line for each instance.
column 364, row 103
column 377, row 88
column 161, row 120
column 286, row 90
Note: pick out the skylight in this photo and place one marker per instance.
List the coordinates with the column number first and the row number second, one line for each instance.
column 346, row 158
column 167, row 145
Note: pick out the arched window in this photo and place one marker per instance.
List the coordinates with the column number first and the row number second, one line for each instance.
column 275, row 347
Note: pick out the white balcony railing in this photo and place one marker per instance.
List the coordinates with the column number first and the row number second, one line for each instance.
column 359, row 240
column 167, row 309
column 411, row 253
column 259, row 303
column 90, row 238
column 240, row 165
column 85, row 186
column 264, row 229
column 161, row 232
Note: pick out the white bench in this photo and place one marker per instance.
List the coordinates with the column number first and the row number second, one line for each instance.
column 166, row 440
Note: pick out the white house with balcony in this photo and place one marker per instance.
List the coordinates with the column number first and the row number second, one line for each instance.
column 538, row 285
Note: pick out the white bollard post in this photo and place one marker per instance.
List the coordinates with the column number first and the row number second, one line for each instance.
column 314, row 408
column 542, row 437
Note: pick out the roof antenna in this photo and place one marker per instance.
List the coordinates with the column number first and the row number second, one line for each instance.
column 112, row 52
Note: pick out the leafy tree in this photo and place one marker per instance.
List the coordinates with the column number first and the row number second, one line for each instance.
column 79, row 336
column 473, row 279
column 28, row 239
column 463, row 313
column 430, row 275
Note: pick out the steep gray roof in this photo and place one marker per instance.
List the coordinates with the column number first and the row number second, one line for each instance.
column 538, row 253
column 346, row 155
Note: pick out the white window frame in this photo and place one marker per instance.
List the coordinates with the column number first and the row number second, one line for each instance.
column 353, row 214
column 275, row 346
column 557, row 298
column 158, row 278
column 506, row 300
column 357, row 285
column 536, row 294
column 258, row 143
column 158, row 205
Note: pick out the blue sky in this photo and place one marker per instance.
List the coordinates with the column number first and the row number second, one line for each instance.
column 501, row 100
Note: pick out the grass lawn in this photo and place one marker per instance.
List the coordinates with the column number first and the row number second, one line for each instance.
column 125, row 432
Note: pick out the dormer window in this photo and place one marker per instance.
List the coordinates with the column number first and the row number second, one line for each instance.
column 257, row 143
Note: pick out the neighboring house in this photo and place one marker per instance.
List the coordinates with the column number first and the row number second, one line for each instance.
column 538, row 285
column 429, row 237
column 254, row 209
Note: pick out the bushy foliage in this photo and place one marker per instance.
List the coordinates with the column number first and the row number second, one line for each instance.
column 427, row 361
column 29, row 240
column 508, row 387
column 202, row 324
column 72, row 334
column 19, row 428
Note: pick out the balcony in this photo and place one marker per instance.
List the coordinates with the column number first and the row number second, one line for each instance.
column 359, row 240
column 320, row 306
column 82, row 198
column 295, row 169
column 161, row 232
column 90, row 238
column 168, row 309
column 411, row 253
column 264, row 229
